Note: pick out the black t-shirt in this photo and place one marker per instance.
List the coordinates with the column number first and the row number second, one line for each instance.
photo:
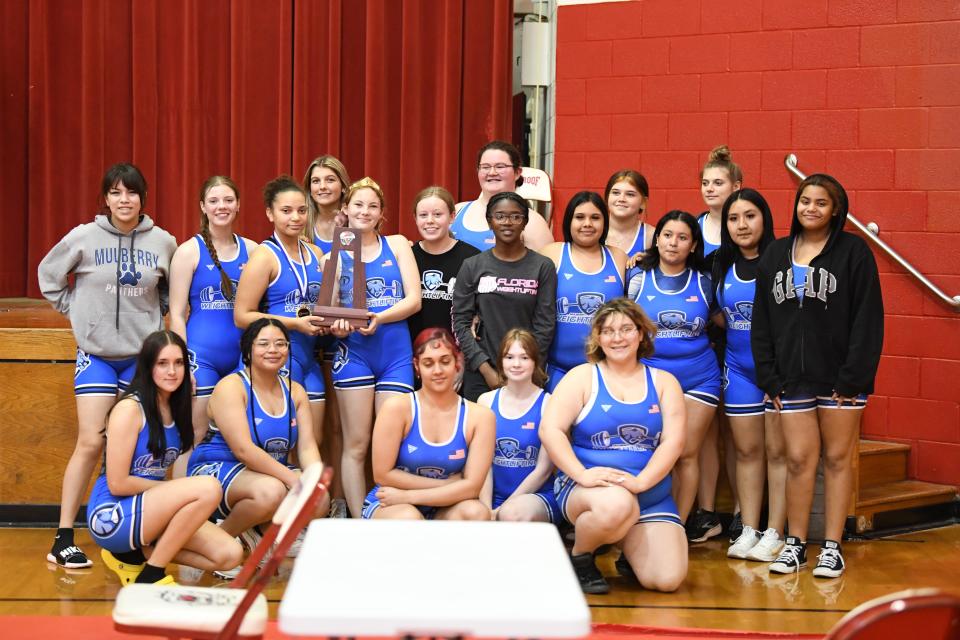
column 438, row 273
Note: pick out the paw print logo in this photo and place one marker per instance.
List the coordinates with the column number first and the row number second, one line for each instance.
column 129, row 275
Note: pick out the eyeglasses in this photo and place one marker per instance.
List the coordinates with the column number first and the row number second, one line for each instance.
column 512, row 217
column 279, row 345
column 625, row 332
column 499, row 167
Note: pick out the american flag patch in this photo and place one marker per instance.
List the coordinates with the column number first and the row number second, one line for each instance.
column 387, row 263
column 527, row 425
column 693, row 299
column 459, row 454
column 654, row 408
column 611, row 278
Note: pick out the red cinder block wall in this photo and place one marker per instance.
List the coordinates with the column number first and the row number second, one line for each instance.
column 867, row 90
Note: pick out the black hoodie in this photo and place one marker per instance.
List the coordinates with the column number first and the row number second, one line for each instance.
column 831, row 339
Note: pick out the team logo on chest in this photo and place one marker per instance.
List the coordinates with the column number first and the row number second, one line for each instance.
column 510, row 454
column 589, row 302
column 432, row 279
column 276, row 447
column 674, row 324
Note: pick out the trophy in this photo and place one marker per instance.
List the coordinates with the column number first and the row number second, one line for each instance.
column 353, row 307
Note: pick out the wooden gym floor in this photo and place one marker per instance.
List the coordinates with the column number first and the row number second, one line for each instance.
column 718, row 594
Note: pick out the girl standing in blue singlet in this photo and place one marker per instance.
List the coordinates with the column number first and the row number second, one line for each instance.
column 519, row 486
column 258, row 418
column 626, row 195
column 589, row 273
column 431, row 449
column 374, row 362
column 133, row 509
column 204, row 273
column 284, row 275
column 720, row 177
column 326, row 180
column 120, row 266
column 498, row 170
column 747, row 231
column 615, row 428
column 678, row 297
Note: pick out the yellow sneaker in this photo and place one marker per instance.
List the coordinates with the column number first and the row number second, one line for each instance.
column 126, row 572
column 166, row 580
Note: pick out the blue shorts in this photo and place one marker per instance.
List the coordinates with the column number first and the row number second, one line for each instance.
column 207, row 372
column 116, row 524
column 371, row 504
column 225, row 473
column 388, row 370
column 656, row 504
column 699, row 377
column 310, row 376
column 741, row 395
column 96, row 376
column 549, row 502
column 554, row 375
column 802, row 402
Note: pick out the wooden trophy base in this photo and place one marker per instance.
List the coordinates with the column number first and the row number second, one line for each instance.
column 357, row 318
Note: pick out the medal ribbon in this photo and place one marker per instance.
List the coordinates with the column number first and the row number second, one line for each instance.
column 302, row 283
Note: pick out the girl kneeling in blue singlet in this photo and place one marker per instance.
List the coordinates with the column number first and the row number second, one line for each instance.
column 615, row 428
column 259, row 419
column 431, row 449
column 519, row 486
column 204, row 273
column 133, row 512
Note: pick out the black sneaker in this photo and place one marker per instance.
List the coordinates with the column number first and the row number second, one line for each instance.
column 703, row 525
column 591, row 580
column 736, row 527
column 792, row 558
column 830, row 561
column 623, row 568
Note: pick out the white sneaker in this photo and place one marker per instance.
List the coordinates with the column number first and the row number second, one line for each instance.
column 768, row 548
column 228, row 574
column 294, row 549
column 748, row 539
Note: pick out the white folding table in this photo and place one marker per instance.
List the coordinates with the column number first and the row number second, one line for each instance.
column 437, row 578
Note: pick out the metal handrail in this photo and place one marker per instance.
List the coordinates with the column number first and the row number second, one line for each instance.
column 871, row 231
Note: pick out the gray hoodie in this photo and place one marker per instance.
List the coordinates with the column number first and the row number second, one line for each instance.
column 120, row 284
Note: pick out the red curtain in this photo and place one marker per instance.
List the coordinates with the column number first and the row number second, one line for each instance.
column 405, row 92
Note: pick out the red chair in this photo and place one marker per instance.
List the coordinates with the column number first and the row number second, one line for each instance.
column 916, row 613
column 209, row 613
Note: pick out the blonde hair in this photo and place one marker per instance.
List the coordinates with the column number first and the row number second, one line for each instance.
column 367, row 182
column 529, row 344
column 721, row 158
column 635, row 314
column 338, row 168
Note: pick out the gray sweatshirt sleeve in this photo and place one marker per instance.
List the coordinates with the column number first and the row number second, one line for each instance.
column 55, row 268
column 545, row 316
column 463, row 311
column 163, row 287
